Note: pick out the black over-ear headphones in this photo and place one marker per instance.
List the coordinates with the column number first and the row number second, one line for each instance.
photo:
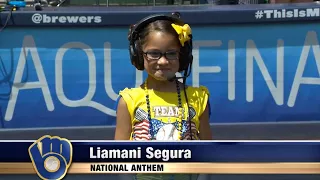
column 136, row 56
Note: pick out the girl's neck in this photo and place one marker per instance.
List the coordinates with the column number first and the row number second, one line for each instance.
column 165, row 86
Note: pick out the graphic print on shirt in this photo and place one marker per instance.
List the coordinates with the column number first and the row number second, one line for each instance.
column 159, row 130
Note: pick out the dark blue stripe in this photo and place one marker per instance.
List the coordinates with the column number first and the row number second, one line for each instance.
column 118, row 16
column 201, row 152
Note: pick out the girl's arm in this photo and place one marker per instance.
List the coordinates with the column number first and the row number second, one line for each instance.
column 123, row 127
column 204, row 127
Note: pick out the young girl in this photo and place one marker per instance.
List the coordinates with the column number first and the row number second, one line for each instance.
column 162, row 108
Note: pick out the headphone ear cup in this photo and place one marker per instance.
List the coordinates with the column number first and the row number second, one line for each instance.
column 139, row 56
column 190, row 55
column 135, row 55
column 132, row 55
column 186, row 57
column 182, row 62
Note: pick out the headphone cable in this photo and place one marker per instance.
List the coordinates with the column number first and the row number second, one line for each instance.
column 8, row 17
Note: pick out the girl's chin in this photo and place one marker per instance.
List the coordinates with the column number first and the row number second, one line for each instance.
column 160, row 77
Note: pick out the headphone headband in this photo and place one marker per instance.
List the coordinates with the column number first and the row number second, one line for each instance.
column 136, row 29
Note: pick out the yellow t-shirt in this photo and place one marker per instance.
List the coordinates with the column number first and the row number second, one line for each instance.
column 164, row 122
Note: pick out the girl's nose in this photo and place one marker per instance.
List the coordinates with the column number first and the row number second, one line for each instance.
column 163, row 61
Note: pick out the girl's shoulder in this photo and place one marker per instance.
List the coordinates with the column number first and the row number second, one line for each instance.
column 137, row 92
column 201, row 90
column 131, row 91
column 131, row 96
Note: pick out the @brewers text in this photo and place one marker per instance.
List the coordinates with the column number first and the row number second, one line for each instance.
column 150, row 153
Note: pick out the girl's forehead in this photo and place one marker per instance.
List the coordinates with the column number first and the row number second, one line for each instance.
column 161, row 40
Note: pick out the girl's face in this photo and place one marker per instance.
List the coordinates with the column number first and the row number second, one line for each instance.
column 161, row 55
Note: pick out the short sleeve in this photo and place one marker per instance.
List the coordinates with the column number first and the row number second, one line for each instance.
column 204, row 99
column 128, row 98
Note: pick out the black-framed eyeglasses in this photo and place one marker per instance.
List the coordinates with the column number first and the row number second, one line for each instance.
column 156, row 55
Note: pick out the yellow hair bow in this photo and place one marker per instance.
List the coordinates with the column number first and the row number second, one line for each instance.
column 183, row 32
